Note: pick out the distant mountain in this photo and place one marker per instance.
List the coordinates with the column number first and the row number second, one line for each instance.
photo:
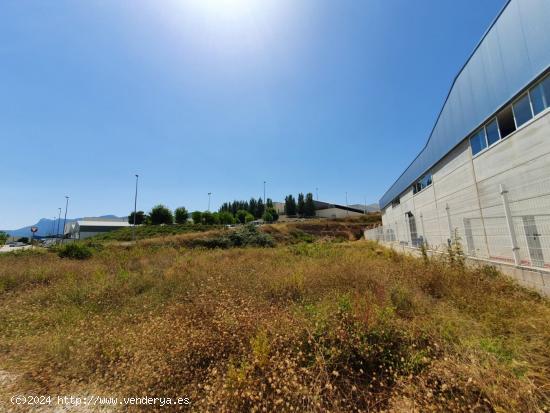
column 370, row 207
column 45, row 227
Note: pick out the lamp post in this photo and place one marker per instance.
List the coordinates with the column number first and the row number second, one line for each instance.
column 58, row 220
column 65, row 220
column 135, row 210
column 209, row 196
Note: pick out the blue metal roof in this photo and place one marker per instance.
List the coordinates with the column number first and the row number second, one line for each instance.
column 512, row 53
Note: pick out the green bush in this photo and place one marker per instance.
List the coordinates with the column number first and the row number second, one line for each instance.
column 161, row 215
column 181, row 215
column 247, row 236
column 75, row 251
column 226, row 218
column 267, row 217
column 197, row 217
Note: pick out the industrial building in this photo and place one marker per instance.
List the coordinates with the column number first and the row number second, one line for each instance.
column 89, row 227
column 328, row 210
column 332, row 211
column 483, row 178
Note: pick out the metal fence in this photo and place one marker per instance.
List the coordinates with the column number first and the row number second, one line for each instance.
column 509, row 224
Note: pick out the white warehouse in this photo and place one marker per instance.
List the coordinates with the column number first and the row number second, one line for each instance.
column 483, row 177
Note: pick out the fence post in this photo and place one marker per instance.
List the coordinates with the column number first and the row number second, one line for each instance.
column 422, row 228
column 511, row 229
column 397, row 232
column 448, row 209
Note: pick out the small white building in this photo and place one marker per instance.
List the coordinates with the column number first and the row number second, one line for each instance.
column 89, row 227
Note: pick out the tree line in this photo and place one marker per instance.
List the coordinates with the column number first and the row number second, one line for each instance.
column 245, row 211
column 229, row 213
column 304, row 207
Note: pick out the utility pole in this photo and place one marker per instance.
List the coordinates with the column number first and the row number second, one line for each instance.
column 135, row 210
column 58, row 219
column 317, row 193
column 347, row 212
column 209, row 196
column 365, row 205
column 265, row 200
column 65, row 220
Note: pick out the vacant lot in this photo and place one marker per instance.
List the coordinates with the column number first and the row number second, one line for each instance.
column 320, row 326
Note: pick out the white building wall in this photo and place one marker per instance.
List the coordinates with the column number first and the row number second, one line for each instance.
column 465, row 199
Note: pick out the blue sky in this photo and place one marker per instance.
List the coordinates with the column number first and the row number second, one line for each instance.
column 217, row 96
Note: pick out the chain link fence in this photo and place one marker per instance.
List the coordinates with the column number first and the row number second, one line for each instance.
column 508, row 224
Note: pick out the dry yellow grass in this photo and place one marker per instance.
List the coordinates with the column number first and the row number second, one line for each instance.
column 308, row 327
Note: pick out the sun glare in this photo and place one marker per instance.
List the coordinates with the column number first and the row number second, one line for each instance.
column 228, row 9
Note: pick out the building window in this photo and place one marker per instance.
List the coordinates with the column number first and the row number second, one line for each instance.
column 395, row 202
column 506, row 122
column 546, row 86
column 422, row 183
column 478, row 141
column 540, row 96
column 522, row 110
column 538, row 99
column 492, row 132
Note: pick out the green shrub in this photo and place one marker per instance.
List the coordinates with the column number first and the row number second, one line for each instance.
column 181, row 215
column 197, row 217
column 226, row 218
column 161, row 215
column 75, row 251
column 247, row 236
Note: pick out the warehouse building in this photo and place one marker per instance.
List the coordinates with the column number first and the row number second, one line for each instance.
column 89, row 227
column 328, row 210
column 483, row 178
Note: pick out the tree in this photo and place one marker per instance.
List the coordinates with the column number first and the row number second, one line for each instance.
column 301, row 204
column 226, row 218
column 161, row 215
column 248, row 218
column 252, row 206
column 140, row 217
column 290, row 206
column 241, row 215
column 210, row 218
column 3, row 237
column 181, row 215
column 309, row 206
column 269, row 203
column 273, row 213
column 260, row 208
column 197, row 217
column 24, row 240
column 267, row 217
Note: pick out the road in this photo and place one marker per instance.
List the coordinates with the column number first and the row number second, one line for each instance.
column 7, row 248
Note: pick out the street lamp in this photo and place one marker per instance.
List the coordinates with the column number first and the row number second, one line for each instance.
column 65, row 220
column 209, row 196
column 135, row 210
column 58, row 220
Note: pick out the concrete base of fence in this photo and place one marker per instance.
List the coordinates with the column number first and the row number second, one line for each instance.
column 529, row 277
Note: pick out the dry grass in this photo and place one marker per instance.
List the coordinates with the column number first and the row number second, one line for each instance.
column 308, row 327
